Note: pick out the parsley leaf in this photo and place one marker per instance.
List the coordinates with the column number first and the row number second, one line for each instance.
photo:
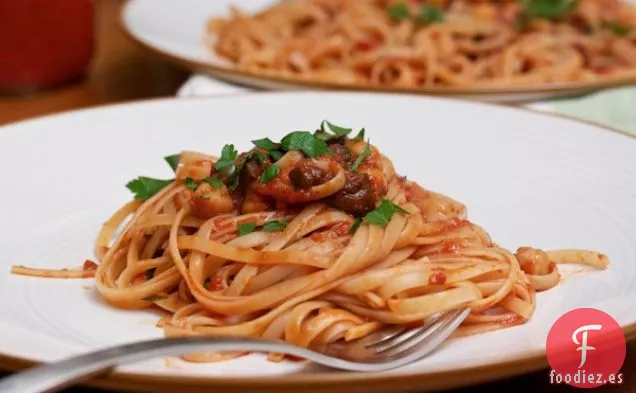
column 354, row 227
column 365, row 152
column 430, row 14
column 274, row 226
column 276, row 155
column 360, row 136
column 306, row 142
column 214, row 182
column 145, row 187
column 269, row 174
column 235, row 176
column 383, row 213
column 323, row 135
column 260, row 157
column 617, row 28
column 191, row 184
column 339, row 131
column 548, row 9
column 228, row 156
column 265, row 144
column 399, row 11
column 173, row 161
column 246, row 228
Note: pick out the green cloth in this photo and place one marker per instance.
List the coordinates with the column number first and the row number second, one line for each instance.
column 614, row 108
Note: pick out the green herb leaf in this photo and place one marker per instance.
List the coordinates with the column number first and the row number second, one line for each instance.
column 617, row 28
column 322, row 135
column 398, row 12
column 145, row 187
column 173, row 161
column 360, row 136
column 383, row 213
column 191, row 184
column 246, row 228
column 260, row 157
column 276, row 155
column 149, row 274
column 430, row 14
column 235, row 177
column 548, row 9
column 306, row 142
column 265, row 144
column 339, row 131
column 228, row 157
column 214, row 182
column 354, row 227
column 269, row 174
column 274, row 226
column 365, row 152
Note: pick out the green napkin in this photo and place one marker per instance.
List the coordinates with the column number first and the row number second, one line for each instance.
column 614, row 108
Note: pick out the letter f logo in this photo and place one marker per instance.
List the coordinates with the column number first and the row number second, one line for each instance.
column 583, row 344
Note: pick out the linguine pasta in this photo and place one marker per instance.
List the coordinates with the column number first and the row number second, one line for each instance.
column 423, row 44
column 312, row 240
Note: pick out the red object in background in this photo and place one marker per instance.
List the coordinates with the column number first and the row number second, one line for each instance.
column 44, row 43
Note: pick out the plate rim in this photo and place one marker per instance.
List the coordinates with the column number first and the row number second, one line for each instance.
column 320, row 381
column 236, row 75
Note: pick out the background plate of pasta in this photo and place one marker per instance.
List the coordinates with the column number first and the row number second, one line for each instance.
column 313, row 218
column 511, row 50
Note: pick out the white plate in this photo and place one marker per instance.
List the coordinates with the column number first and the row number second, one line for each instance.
column 175, row 30
column 528, row 178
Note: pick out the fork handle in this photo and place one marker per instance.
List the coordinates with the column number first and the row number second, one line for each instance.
column 54, row 377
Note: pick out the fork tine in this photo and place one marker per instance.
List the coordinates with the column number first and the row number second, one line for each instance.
column 390, row 340
column 420, row 337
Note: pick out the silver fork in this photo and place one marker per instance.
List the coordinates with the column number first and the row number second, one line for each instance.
column 386, row 349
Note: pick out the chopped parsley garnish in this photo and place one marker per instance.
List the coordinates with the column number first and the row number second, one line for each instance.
column 548, row 9
column 235, row 176
column 145, row 187
column 338, row 130
column 430, row 14
column 191, row 184
column 360, row 136
column 260, row 157
column 270, row 147
column 246, row 228
column 356, row 224
column 274, row 226
column 265, row 144
column 365, row 152
column 173, row 161
column 276, row 155
column 383, row 213
column 269, row 174
column 399, row 11
column 617, row 28
column 306, row 142
column 228, row 157
column 214, row 182
column 231, row 164
column 325, row 136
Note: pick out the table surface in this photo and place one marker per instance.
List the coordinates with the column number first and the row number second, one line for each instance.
column 123, row 72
